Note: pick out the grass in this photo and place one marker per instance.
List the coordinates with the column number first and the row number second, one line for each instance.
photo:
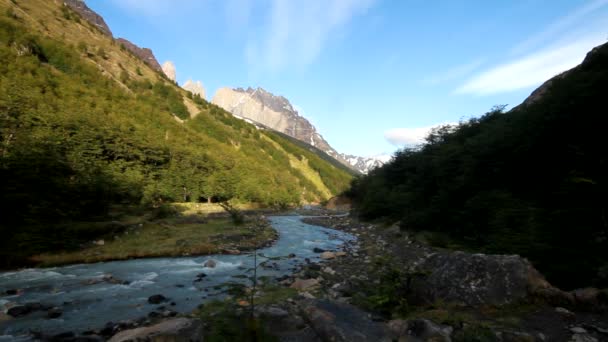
column 178, row 236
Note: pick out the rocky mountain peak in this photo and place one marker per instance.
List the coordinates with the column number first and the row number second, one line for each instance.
column 195, row 88
column 144, row 54
column 276, row 112
column 169, row 70
column 80, row 7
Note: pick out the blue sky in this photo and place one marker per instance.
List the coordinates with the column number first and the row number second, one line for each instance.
column 371, row 75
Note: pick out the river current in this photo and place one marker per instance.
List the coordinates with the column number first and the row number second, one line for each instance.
column 87, row 302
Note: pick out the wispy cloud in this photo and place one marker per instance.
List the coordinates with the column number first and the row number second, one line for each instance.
column 565, row 43
column 296, row 31
column 454, row 73
column 409, row 136
column 530, row 70
column 558, row 26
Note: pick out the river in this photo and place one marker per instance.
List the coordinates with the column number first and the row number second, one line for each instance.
column 88, row 303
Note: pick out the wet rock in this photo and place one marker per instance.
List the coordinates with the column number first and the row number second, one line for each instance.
column 475, row 279
column 210, row 263
column 157, row 299
column 564, row 312
column 342, row 322
column 328, row 255
column 291, row 255
column 11, row 292
column 304, row 284
column 18, row 310
column 318, row 250
column 583, row 338
column 422, row 329
column 174, row 330
column 54, row 313
column 578, row 330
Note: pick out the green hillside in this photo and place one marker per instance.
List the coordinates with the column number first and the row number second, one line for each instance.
column 532, row 181
column 86, row 127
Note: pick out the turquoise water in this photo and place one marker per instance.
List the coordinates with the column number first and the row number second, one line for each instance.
column 88, row 304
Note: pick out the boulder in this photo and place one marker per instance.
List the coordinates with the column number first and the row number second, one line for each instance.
column 19, row 310
column 172, row 330
column 210, row 263
column 342, row 322
column 304, row 284
column 328, row 255
column 157, row 299
column 475, row 279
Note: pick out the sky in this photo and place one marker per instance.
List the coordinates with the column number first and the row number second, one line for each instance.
column 373, row 76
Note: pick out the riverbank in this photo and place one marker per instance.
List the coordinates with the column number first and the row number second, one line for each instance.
column 188, row 235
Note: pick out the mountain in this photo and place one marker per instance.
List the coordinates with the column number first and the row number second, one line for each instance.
column 530, row 181
column 80, row 7
column 89, row 130
column 278, row 113
column 195, row 88
column 364, row 164
column 144, row 54
column 169, row 69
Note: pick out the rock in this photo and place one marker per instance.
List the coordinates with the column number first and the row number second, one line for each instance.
column 172, row 330
column 195, row 88
column 144, row 54
column 475, row 279
column 583, row 338
column 329, row 270
column 201, row 275
column 318, row 250
column 578, row 330
column 157, row 299
column 328, row 255
column 304, row 284
column 18, row 310
column 291, row 255
column 210, row 263
column 4, row 317
column 99, row 242
column 89, row 15
column 342, row 322
column 587, row 297
column 423, row 329
column 565, row 312
column 54, row 313
column 11, row 292
column 340, row 254
column 232, row 251
column 273, row 311
column 169, row 70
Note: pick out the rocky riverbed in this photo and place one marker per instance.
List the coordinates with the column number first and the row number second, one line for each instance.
column 386, row 286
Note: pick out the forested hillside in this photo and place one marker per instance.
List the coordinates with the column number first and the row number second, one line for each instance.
column 531, row 181
column 86, row 126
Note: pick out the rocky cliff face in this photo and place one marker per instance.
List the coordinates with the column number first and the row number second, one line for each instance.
column 144, row 54
column 195, row 88
column 277, row 113
column 169, row 70
column 88, row 14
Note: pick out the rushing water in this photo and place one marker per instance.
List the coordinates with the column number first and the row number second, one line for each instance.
column 88, row 303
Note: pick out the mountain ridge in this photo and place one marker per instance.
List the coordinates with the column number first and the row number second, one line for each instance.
column 276, row 112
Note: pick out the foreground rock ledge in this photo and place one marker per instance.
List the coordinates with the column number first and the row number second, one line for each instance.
column 173, row 330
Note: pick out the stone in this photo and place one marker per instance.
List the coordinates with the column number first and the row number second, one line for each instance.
column 4, row 317
column 18, row 310
column 583, row 338
column 475, row 279
column 427, row 330
column 54, row 313
column 586, row 296
column 172, row 330
column 329, row 270
column 578, row 330
column 157, row 299
column 339, row 322
column 564, row 312
column 273, row 311
column 210, row 263
column 318, row 250
column 304, row 284
column 328, row 255
column 340, row 254
column 99, row 242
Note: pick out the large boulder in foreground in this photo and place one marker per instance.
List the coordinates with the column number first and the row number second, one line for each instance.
column 342, row 322
column 476, row 279
column 173, row 330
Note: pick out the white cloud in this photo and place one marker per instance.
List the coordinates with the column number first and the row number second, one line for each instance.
column 530, row 70
column 454, row 73
column 297, row 30
column 559, row 26
column 409, row 136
